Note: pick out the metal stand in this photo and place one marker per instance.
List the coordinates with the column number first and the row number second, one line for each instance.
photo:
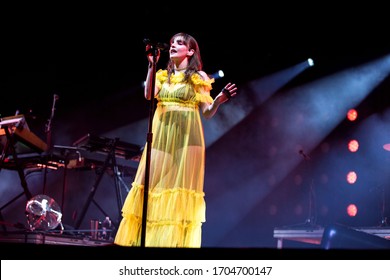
column 49, row 137
column 383, row 222
column 154, row 50
column 311, row 219
column 10, row 146
column 109, row 162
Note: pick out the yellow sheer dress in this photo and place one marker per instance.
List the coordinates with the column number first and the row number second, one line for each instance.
column 176, row 204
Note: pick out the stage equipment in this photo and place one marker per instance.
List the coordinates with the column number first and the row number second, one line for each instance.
column 49, row 121
column 43, row 213
column 217, row 75
column 311, row 220
column 50, row 238
column 49, row 137
column 111, row 148
column 314, row 236
column 103, row 145
column 16, row 138
column 154, row 50
column 342, row 237
column 384, row 219
column 25, row 140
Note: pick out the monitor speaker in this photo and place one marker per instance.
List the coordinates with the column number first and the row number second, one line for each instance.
column 342, row 237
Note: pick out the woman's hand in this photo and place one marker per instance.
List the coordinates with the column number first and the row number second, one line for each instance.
column 149, row 54
column 229, row 91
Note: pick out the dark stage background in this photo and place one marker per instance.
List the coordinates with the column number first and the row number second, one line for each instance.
column 256, row 175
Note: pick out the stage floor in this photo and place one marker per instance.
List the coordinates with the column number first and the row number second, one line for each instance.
column 40, row 245
column 50, row 239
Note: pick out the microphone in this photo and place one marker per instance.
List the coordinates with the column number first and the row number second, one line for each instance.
column 158, row 45
column 305, row 156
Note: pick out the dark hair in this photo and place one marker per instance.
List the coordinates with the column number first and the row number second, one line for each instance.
column 195, row 63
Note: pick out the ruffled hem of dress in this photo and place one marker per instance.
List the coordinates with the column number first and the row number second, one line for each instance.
column 175, row 218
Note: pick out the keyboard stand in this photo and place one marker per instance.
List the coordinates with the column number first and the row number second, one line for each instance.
column 10, row 147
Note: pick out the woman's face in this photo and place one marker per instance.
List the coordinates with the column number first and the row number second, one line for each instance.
column 178, row 50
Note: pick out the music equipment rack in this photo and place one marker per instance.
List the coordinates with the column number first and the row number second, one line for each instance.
column 103, row 145
column 111, row 148
column 22, row 149
column 14, row 130
column 33, row 161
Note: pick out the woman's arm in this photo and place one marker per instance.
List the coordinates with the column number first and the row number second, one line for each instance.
column 209, row 110
column 147, row 92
